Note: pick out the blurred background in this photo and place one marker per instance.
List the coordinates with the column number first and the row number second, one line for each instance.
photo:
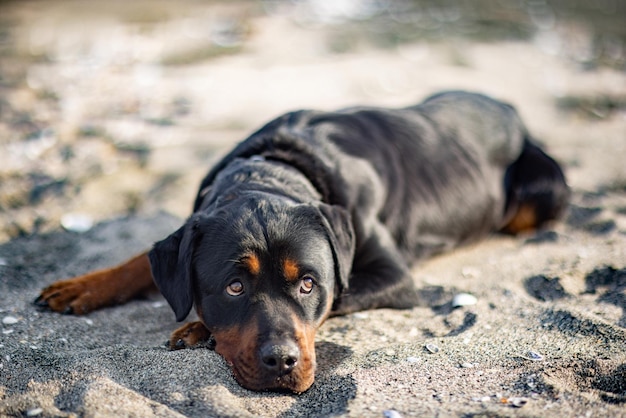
column 115, row 108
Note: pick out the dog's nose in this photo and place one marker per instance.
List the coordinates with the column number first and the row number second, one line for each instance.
column 280, row 358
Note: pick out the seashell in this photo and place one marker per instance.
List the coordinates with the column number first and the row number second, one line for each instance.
column 463, row 299
column 432, row 348
column 76, row 222
column 518, row 402
column 532, row 355
column 9, row 320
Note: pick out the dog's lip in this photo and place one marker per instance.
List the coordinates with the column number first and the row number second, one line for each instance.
column 285, row 382
column 278, row 384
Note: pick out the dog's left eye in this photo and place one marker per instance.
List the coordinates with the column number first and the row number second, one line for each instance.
column 307, row 284
column 235, row 288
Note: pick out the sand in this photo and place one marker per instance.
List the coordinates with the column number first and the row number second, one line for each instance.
column 545, row 338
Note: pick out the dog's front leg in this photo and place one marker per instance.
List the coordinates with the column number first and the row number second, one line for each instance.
column 379, row 279
column 98, row 289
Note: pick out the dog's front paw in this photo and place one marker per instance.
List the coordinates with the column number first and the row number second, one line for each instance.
column 189, row 335
column 72, row 296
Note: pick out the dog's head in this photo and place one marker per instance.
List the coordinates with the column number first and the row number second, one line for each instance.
column 263, row 274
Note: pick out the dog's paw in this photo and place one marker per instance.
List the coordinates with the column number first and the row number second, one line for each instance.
column 75, row 296
column 189, row 335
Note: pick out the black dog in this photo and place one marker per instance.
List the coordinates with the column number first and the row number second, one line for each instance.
column 320, row 214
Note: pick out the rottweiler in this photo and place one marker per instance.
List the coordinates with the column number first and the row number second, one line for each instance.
column 323, row 213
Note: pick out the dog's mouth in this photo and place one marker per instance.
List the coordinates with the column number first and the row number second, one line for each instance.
column 283, row 365
column 296, row 381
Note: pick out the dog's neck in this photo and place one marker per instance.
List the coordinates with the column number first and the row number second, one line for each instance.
column 258, row 175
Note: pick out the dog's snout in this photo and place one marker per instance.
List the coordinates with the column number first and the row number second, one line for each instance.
column 280, row 358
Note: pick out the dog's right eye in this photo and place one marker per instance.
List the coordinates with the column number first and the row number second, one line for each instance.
column 235, row 288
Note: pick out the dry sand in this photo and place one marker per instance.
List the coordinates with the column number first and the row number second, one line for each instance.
column 550, row 297
column 546, row 338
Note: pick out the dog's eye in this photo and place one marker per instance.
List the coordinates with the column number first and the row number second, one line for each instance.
column 235, row 288
column 306, row 285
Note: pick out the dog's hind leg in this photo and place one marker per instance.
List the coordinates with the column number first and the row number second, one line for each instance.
column 98, row 289
column 536, row 191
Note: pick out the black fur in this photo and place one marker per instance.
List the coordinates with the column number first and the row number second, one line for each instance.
column 356, row 197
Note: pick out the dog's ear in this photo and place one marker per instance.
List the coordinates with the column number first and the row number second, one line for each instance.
column 170, row 260
column 338, row 223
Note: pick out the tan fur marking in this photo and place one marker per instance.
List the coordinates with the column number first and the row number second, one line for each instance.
column 190, row 334
column 95, row 290
column 291, row 269
column 305, row 372
column 239, row 345
column 252, row 263
column 525, row 219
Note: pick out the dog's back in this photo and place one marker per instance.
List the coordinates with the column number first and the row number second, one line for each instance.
column 437, row 174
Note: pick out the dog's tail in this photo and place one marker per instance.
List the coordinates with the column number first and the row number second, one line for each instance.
column 536, row 190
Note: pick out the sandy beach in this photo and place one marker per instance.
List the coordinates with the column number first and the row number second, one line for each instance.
column 109, row 118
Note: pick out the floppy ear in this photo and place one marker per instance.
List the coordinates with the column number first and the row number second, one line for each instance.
column 341, row 235
column 170, row 260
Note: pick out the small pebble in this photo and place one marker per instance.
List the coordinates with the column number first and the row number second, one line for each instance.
column 3, row 262
column 7, row 331
column 467, row 365
column 470, row 272
column 34, row 412
column 391, row 413
column 9, row 320
column 463, row 299
column 76, row 222
column 361, row 315
column 518, row 402
column 432, row 348
column 412, row 359
column 481, row 399
column 88, row 321
column 532, row 355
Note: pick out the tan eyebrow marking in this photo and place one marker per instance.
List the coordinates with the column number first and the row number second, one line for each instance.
column 252, row 263
column 291, row 269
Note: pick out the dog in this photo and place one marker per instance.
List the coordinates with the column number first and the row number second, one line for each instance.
column 319, row 214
